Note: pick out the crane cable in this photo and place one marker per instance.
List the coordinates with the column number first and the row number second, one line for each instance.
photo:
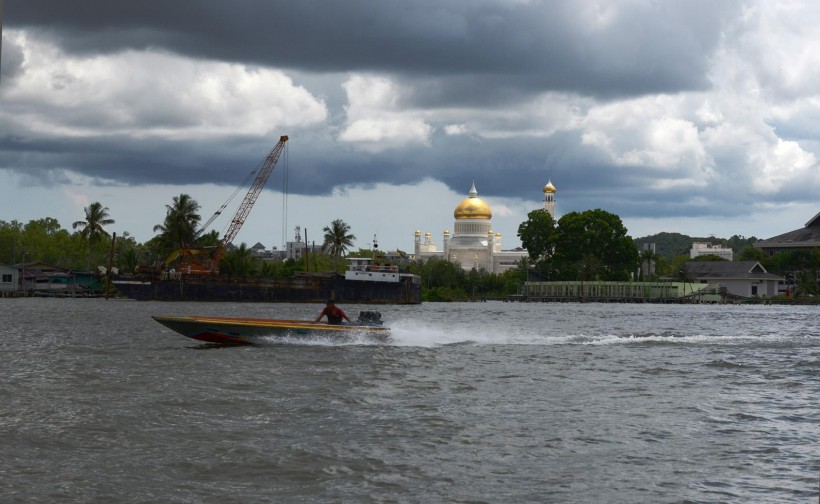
column 242, row 185
column 285, row 197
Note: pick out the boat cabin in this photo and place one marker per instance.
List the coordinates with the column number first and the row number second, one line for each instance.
column 363, row 268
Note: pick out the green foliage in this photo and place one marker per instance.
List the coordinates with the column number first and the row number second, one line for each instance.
column 446, row 281
column 648, row 259
column 444, row 294
column 751, row 254
column 129, row 259
column 536, row 234
column 337, row 240
column 669, row 245
column 805, row 282
column 362, row 252
column 319, row 262
column 800, row 267
column 709, row 258
column 10, row 242
column 96, row 216
column 209, row 239
column 279, row 269
column 44, row 240
column 593, row 245
column 239, row 261
column 179, row 228
column 675, row 266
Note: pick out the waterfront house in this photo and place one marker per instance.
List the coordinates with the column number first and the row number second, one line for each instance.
column 38, row 276
column 9, row 278
column 741, row 278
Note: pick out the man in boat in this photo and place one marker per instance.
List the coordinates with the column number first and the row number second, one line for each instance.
column 334, row 313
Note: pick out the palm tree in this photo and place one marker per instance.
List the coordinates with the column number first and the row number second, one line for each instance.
column 648, row 257
column 525, row 264
column 96, row 216
column 239, row 262
column 130, row 259
column 181, row 221
column 337, row 239
column 805, row 282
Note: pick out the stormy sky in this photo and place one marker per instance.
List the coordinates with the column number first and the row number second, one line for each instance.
column 697, row 117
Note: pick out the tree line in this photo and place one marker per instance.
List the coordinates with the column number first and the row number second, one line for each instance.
column 89, row 245
column 581, row 246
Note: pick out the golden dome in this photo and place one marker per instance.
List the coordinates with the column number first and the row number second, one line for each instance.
column 549, row 188
column 427, row 235
column 473, row 208
column 418, row 232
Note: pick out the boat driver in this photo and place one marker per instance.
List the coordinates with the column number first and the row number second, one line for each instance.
column 334, row 313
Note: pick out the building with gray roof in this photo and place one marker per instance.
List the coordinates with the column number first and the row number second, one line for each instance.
column 805, row 238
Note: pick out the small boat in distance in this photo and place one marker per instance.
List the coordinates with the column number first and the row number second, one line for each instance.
column 241, row 331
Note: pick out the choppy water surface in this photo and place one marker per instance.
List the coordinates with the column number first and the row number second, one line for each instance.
column 485, row 402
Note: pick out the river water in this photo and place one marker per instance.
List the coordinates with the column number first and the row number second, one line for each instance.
column 466, row 402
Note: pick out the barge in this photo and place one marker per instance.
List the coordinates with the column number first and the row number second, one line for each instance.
column 363, row 282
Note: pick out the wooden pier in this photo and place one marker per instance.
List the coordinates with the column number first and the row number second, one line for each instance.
column 619, row 292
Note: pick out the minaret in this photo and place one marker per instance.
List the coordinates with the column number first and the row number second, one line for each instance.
column 417, row 244
column 549, row 199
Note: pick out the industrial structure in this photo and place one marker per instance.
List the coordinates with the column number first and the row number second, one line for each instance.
column 192, row 260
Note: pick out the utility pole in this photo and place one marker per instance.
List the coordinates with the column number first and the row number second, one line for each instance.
column 110, row 263
column 307, row 254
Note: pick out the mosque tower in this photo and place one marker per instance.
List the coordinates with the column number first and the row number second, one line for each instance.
column 549, row 199
column 472, row 243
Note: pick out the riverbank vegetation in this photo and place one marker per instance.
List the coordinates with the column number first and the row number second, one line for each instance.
column 590, row 245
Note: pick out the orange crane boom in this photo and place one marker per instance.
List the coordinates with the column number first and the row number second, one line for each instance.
column 250, row 198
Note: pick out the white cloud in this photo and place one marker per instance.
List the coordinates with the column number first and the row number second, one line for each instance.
column 456, row 129
column 650, row 132
column 375, row 119
column 782, row 41
column 779, row 164
column 540, row 117
column 152, row 93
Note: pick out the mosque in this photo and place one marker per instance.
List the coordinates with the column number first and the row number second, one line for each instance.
column 473, row 243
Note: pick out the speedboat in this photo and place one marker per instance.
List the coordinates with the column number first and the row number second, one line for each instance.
column 241, row 330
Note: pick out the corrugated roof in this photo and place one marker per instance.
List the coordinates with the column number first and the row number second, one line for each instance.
column 807, row 236
column 728, row 270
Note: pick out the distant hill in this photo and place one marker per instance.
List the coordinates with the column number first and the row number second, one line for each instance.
column 670, row 245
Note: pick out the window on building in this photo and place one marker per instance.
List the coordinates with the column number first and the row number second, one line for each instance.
column 6, row 278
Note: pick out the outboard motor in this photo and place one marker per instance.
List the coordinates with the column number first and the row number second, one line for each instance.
column 372, row 318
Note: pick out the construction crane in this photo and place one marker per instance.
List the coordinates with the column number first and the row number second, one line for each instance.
column 250, row 198
column 189, row 262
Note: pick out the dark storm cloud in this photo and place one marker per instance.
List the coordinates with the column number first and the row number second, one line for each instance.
column 471, row 54
column 473, row 46
column 123, row 160
column 12, row 61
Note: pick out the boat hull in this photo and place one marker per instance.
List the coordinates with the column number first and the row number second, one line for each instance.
column 238, row 331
